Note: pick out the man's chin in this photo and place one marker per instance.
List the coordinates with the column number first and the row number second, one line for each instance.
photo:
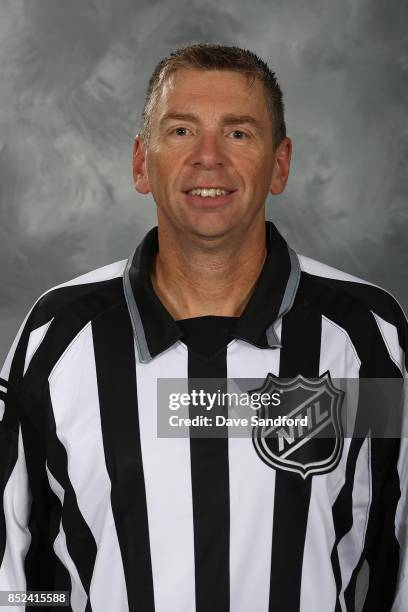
column 202, row 227
column 210, row 230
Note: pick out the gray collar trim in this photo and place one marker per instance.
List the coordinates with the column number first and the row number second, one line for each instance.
column 288, row 298
column 142, row 348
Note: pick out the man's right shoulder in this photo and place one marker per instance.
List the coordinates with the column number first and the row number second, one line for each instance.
column 60, row 299
column 61, row 313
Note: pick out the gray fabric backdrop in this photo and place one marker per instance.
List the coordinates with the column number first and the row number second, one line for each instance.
column 73, row 76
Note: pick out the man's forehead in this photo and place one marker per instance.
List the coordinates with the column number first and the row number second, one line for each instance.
column 211, row 85
column 190, row 79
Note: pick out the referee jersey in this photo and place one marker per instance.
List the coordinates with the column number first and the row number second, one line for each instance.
column 95, row 503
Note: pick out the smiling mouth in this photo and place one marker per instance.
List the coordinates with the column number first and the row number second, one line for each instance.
column 209, row 192
column 209, row 198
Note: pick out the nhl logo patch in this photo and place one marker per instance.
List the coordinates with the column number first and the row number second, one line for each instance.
column 308, row 437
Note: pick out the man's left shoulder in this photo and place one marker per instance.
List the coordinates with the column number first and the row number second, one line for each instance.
column 357, row 292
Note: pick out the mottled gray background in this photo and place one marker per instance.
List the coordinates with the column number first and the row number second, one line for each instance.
column 73, row 76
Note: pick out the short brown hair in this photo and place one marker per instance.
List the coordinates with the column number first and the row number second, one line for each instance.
column 205, row 56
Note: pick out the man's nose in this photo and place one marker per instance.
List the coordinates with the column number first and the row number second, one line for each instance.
column 209, row 150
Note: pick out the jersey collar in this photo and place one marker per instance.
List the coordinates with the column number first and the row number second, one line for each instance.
column 154, row 328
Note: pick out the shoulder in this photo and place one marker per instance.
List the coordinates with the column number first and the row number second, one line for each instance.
column 352, row 290
column 371, row 315
column 61, row 313
column 79, row 290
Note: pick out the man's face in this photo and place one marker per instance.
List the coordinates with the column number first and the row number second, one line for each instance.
column 210, row 130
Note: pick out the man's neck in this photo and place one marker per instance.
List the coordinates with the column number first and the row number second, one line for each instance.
column 193, row 282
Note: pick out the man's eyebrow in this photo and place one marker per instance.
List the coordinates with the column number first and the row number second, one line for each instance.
column 177, row 117
column 228, row 119
column 233, row 119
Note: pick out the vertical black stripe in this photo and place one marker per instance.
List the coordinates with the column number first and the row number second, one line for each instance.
column 211, row 508
column 116, row 376
column 382, row 548
column 343, row 506
column 300, row 354
column 40, row 559
column 62, row 579
column 81, row 544
column 343, row 513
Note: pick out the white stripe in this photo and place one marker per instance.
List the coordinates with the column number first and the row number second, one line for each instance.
column 3, row 389
column 79, row 597
column 35, row 339
column 389, row 334
column 252, row 494
column 337, row 352
column 339, row 356
column 352, row 544
column 167, row 473
column 17, row 504
column 318, row 589
column 74, row 395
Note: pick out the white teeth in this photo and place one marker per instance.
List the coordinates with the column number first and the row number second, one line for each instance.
column 208, row 193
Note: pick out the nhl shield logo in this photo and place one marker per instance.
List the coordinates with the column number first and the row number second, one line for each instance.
column 308, row 438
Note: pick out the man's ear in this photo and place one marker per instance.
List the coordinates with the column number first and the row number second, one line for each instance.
column 280, row 172
column 139, row 168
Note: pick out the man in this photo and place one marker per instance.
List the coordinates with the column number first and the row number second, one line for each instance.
column 94, row 501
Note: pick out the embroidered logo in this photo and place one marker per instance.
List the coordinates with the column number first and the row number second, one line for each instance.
column 308, row 438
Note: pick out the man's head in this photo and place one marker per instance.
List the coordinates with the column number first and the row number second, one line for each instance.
column 216, row 57
column 213, row 118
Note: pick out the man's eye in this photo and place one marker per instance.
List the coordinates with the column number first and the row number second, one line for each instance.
column 180, row 131
column 239, row 135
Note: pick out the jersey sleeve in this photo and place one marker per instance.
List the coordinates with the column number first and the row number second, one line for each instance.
column 15, row 536
column 401, row 515
column 26, row 557
column 386, row 545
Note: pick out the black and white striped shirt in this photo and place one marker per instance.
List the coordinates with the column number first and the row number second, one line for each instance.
column 94, row 502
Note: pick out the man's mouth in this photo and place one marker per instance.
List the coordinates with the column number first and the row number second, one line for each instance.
column 209, row 192
column 209, row 197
